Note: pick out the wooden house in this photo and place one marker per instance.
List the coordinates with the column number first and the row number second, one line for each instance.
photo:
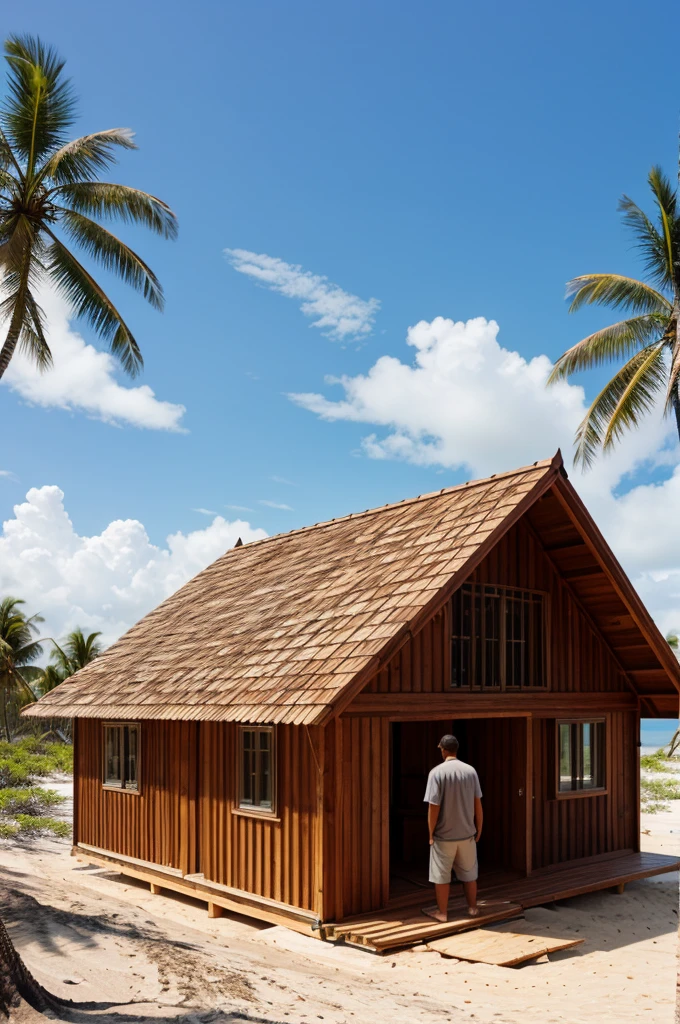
column 261, row 740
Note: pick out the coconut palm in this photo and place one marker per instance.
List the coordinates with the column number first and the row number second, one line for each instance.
column 647, row 341
column 18, row 651
column 76, row 651
column 49, row 194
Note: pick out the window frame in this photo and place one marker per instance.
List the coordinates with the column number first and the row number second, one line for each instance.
column 602, row 756
column 122, row 786
column 250, row 809
column 505, row 593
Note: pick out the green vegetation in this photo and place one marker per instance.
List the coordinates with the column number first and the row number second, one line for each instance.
column 30, row 825
column 29, row 759
column 648, row 341
column 18, row 650
column 49, row 194
column 67, row 658
column 24, row 807
column 657, row 762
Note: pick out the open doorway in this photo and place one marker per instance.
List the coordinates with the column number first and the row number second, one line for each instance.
column 496, row 747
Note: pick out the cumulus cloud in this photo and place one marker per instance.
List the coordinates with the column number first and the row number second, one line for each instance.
column 105, row 582
column 465, row 402
column 336, row 312
column 84, row 379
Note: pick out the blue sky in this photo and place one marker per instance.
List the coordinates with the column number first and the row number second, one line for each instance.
column 447, row 159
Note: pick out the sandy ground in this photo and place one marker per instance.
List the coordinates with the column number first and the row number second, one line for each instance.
column 90, row 934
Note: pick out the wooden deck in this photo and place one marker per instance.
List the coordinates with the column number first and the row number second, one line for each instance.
column 407, row 925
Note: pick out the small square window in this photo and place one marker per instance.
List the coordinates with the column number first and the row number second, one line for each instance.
column 121, row 756
column 581, row 756
column 257, row 784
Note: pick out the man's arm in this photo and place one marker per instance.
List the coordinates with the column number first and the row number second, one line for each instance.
column 432, row 817
column 479, row 818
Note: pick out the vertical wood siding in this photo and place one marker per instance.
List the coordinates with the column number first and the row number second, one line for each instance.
column 277, row 858
column 158, row 823
column 358, row 847
column 584, row 826
column 579, row 660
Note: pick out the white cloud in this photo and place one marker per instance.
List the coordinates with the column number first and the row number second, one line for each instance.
column 276, row 504
column 205, row 511
column 282, row 480
column 338, row 314
column 84, row 379
column 105, row 582
column 6, row 472
column 467, row 403
column 239, row 508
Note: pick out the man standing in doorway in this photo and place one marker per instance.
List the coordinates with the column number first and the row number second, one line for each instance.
column 454, row 818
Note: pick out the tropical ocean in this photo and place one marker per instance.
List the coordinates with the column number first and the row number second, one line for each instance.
column 656, row 733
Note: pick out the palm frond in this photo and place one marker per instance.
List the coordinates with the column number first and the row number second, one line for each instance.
column 39, row 107
column 650, row 243
column 618, row 340
column 120, row 202
column 87, row 156
column 673, row 387
column 32, row 338
column 622, row 403
column 665, row 196
column 90, row 302
column 616, row 291
column 108, row 250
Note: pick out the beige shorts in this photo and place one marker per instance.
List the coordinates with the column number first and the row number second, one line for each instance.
column 460, row 854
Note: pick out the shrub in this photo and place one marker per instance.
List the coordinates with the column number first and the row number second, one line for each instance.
column 30, row 824
column 657, row 762
column 659, row 789
column 32, row 800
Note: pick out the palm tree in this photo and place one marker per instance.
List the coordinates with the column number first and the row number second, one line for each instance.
column 49, row 193
column 18, row 650
column 76, row 651
column 648, row 340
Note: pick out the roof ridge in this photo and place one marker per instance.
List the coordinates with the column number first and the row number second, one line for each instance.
column 555, row 461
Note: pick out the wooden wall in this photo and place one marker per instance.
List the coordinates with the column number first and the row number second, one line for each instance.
column 276, row 858
column 157, row 824
column 565, row 829
column 580, row 661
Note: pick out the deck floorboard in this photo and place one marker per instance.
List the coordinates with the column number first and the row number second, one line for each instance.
column 405, row 925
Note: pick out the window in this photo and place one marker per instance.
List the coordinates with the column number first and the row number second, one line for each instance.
column 581, row 756
column 498, row 638
column 121, row 756
column 257, row 775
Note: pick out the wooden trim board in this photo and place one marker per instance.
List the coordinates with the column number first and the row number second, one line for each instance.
column 212, row 893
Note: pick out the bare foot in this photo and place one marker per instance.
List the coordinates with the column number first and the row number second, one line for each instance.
column 473, row 911
column 437, row 915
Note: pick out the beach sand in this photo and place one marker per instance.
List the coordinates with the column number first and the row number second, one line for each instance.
column 91, row 934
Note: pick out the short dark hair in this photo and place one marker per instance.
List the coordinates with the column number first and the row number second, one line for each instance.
column 449, row 743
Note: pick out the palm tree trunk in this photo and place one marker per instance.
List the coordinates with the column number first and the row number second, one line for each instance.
column 17, row 982
column 4, row 714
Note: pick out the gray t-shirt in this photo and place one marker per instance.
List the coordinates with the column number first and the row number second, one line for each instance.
column 453, row 785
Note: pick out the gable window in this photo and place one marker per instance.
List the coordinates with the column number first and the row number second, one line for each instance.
column 121, row 755
column 581, row 756
column 498, row 638
column 257, row 768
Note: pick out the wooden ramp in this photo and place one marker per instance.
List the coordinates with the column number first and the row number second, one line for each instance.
column 406, row 925
column 502, row 948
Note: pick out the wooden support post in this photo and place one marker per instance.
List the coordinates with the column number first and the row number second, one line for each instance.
column 214, row 910
column 618, row 889
column 156, row 890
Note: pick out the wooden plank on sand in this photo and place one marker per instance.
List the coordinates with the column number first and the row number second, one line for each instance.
column 504, row 949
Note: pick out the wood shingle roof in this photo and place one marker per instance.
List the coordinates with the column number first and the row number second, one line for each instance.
column 286, row 629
